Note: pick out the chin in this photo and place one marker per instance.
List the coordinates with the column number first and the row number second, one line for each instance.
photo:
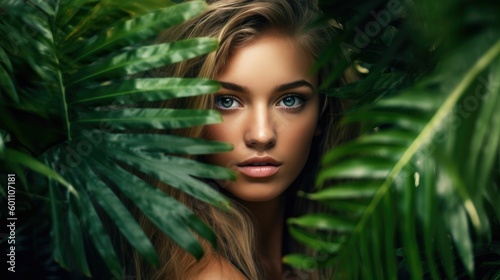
column 260, row 193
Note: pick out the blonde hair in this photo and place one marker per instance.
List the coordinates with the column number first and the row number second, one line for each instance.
column 235, row 23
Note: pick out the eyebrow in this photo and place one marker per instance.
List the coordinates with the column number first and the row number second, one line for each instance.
column 280, row 88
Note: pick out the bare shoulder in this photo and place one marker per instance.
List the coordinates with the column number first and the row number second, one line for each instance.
column 219, row 269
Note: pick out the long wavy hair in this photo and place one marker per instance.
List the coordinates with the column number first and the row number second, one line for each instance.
column 235, row 23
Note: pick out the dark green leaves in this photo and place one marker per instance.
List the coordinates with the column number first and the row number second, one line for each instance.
column 16, row 157
column 419, row 187
column 72, row 106
column 140, row 28
column 147, row 118
column 153, row 143
column 168, row 214
column 139, row 90
column 143, row 59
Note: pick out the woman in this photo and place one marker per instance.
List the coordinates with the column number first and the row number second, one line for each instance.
column 276, row 120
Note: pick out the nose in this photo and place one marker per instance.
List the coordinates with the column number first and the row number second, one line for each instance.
column 261, row 132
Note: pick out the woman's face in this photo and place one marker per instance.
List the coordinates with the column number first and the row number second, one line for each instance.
column 270, row 113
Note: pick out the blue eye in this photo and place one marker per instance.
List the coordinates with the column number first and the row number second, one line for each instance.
column 291, row 101
column 226, row 102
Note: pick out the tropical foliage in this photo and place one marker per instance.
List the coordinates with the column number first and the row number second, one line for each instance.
column 72, row 131
column 417, row 193
column 414, row 196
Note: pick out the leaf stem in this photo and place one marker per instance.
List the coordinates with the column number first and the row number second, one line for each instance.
column 60, row 81
column 64, row 101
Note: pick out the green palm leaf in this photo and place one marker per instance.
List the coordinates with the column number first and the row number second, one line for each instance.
column 140, row 28
column 419, row 183
column 399, row 173
column 145, row 118
column 143, row 59
column 70, row 122
column 129, row 91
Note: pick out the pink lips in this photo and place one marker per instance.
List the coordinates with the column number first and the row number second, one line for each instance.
column 259, row 167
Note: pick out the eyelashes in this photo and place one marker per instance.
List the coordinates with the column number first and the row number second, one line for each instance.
column 226, row 102
column 290, row 102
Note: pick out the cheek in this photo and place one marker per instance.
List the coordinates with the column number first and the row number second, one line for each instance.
column 301, row 129
column 299, row 138
column 222, row 133
column 216, row 132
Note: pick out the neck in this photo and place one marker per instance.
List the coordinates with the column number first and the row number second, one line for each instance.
column 268, row 217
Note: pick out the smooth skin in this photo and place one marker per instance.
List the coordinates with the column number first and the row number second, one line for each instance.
column 270, row 109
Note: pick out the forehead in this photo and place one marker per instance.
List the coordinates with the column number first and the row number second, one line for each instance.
column 269, row 59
